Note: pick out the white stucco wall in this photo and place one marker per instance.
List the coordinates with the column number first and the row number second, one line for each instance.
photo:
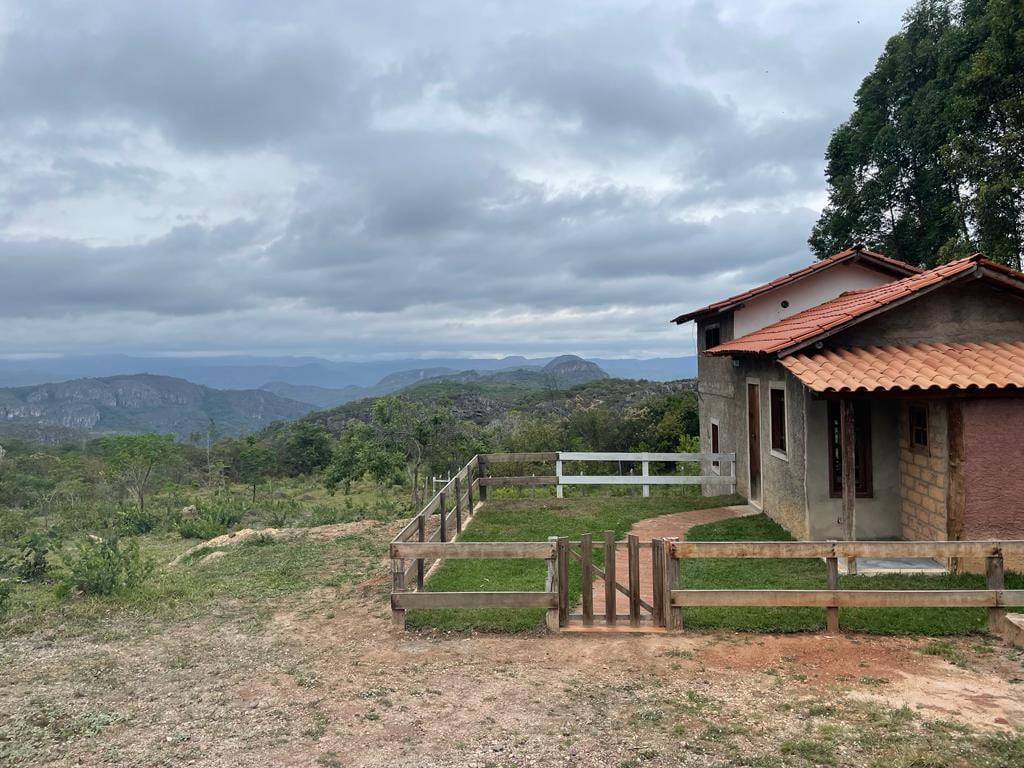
column 804, row 294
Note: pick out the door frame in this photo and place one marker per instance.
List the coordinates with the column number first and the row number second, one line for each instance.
column 754, row 502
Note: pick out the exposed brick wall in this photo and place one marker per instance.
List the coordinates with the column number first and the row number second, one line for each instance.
column 924, row 477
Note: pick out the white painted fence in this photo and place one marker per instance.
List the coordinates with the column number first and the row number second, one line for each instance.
column 725, row 474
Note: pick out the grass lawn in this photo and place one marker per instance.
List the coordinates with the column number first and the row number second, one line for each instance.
column 537, row 519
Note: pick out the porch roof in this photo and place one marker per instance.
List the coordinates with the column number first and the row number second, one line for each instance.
column 912, row 367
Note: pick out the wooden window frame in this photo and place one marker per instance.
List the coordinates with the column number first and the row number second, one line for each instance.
column 783, row 452
column 715, row 434
column 863, row 466
column 708, row 328
column 913, row 428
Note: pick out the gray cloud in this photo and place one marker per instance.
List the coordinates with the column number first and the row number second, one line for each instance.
column 355, row 179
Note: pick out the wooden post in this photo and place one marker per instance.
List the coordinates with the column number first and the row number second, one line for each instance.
column 421, row 535
column 847, row 435
column 469, row 489
column 458, row 505
column 832, row 582
column 673, row 617
column 994, row 578
column 551, row 618
column 647, row 473
column 587, row 554
column 558, row 473
column 397, row 585
column 633, row 548
column 481, row 467
column 563, row 581
column 610, row 594
column 444, row 517
column 658, row 580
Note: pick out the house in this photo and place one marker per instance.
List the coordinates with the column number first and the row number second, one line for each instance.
column 861, row 371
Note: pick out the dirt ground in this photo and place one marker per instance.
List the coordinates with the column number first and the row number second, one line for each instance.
column 326, row 681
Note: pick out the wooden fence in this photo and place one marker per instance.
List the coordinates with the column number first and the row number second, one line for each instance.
column 431, row 537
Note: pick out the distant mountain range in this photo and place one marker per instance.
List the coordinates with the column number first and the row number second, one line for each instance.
column 58, row 411
column 247, row 372
column 138, row 403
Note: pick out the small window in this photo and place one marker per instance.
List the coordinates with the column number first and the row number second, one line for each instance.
column 918, row 426
column 862, row 469
column 712, row 336
column 715, row 466
column 777, row 401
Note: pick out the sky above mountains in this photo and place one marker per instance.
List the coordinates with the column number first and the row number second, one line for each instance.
column 407, row 179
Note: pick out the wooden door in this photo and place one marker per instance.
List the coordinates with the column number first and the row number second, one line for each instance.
column 754, row 440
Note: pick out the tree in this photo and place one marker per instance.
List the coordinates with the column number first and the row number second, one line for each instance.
column 255, row 462
column 306, row 449
column 930, row 165
column 133, row 459
column 349, row 457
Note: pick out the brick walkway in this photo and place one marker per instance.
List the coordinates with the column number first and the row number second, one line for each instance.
column 676, row 524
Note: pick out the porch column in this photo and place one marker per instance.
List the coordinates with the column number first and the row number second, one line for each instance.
column 847, row 433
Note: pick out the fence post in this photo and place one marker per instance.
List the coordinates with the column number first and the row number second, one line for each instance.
column 444, row 517
column 658, row 580
column 994, row 578
column 832, row 582
column 587, row 554
column 469, row 488
column 610, row 596
column 558, row 474
column 482, row 473
column 563, row 581
column 551, row 618
column 673, row 617
column 633, row 547
column 458, row 505
column 421, row 535
column 397, row 585
column 647, row 473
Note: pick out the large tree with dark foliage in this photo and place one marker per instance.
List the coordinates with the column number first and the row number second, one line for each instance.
column 930, row 165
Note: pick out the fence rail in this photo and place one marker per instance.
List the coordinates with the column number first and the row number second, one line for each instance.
column 432, row 536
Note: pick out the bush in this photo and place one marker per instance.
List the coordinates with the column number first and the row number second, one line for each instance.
column 104, row 567
column 6, row 588
column 133, row 521
column 213, row 520
column 28, row 563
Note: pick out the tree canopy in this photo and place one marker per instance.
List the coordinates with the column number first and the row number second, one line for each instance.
column 930, row 165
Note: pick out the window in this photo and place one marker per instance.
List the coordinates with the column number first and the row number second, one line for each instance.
column 777, row 403
column 712, row 336
column 861, row 450
column 918, row 426
column 716, row 467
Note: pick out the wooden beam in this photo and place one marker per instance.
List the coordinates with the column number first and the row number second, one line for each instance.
column 587, row 587
column 994, row 581
column 643, row 456
column 552, row 619
column 513, row 458
column 673, row 616
column 609, row 577
column 563, row 580
column 458, row 506
column 825, row 549
column 642, row 480
column 847, row 435
column 824, row 598
column 634, row 579
column 832, row 581
column 413, row 600
column 498, row 482
column 472, row 550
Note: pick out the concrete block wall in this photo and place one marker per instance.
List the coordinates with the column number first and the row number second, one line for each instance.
column 924, row 477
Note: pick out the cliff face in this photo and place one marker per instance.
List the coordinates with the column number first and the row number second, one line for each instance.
column 570, row 371
column 143, row 403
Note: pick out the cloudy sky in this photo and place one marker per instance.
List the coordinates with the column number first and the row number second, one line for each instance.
column 374, row 179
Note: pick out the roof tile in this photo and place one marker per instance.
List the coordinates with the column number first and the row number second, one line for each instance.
column 912, row 367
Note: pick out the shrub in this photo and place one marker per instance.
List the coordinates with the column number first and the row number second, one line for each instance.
column 14, row 524
column 133, row 520
column 6, row 588
column 28, row 562
column 104, row 567
column 280, row 511
column 212, row 520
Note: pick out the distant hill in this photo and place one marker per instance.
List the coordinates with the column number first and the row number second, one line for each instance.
column 325, row 397
column 251, row 372
column 138, row 403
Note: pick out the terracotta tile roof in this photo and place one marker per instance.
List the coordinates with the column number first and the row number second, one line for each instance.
column 865, row 256
column 986, row 365
column 830, row 315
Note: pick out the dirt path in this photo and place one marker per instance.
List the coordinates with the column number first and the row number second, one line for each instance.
column 657, row 527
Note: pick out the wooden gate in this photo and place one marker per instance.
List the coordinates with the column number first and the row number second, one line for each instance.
column 618, row 576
